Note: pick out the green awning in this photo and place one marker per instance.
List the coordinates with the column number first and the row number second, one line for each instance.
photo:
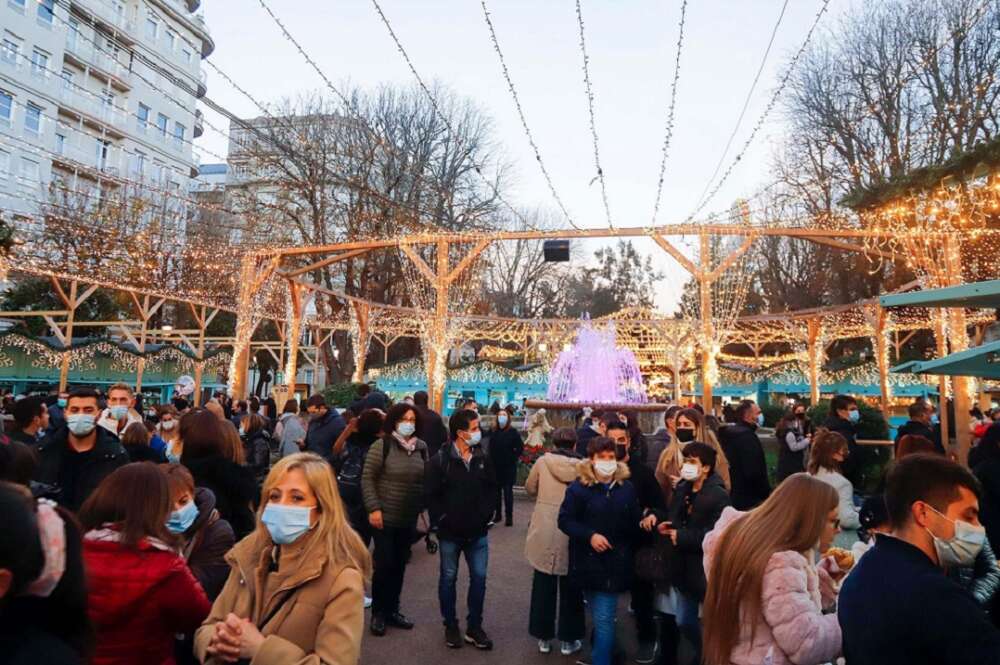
column 976, row 295
column 981, row 361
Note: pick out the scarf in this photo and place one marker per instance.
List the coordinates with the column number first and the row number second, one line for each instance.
column 52, row 535
column 409, row 445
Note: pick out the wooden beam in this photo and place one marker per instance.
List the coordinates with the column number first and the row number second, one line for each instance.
column 730, row 259
column 56, row 330
column 685, row 262
column 325, row 262
column 468, row 259
column 419, row 262
column 86, row 294
column 61, row 293
column 849, row 247
column 40, row 312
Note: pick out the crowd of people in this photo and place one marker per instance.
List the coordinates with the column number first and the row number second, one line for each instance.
column 231, row 533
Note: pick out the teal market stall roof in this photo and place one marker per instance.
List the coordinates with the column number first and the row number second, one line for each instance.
column 982, row 362
column 975, row 295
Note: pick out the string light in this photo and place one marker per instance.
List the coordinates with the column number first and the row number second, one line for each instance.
column 590, row 110
column 669, row 131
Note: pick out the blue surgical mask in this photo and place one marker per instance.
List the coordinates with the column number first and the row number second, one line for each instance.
column 173, row 459
column 181, row 520
column 80, row 424
column 502, row 420
column 935, row 420
column 242, row 431
column 854, row 415
column 119, row 412
column 62, row 401
column 405, row 429
column 286, row 524
column 475, row 438
column 760, row 420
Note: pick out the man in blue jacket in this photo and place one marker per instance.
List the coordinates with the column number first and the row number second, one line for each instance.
column 897, row 607
column 325, row 425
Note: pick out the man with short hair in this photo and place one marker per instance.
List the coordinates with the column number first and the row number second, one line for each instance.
column 76, row 459
column 239, row 413
column 747, row 465
column 461, row 497
column 921, row 414
column 659, row 441
column 31, row 420
column 897, row 607
column 119, row 413
column 843, row 419
column 651, row 502
column 325, row 426
column 592, row 426
column 56, row 418
column 430, row 424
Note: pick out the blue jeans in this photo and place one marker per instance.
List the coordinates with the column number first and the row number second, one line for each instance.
column 603, row 608
column 688, row 622
column 477, row 557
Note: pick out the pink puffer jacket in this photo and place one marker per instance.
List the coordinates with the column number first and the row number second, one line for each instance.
column 793, row 628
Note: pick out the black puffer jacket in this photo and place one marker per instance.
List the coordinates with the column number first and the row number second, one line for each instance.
column 72, row 487
column 982, row 579
column 234, row 487
column 505, row 447
column 693, row 516
column 206, row 542
column 916, row 428
column 257, row 452
column 460, row 500
column 591, row 507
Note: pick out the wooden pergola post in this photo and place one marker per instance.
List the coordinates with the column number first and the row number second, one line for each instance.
column 203, row 318
column 707, row 326
column 362, row 312
column 814, row 349
column 70, row 303
column 941, row 338
column 882, row 359
column 293, row 334
column 959, row 339
column 254, row 273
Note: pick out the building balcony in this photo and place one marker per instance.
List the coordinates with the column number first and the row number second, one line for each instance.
column 79, row 100
column 82, row 150
column 85, row 53
column 195, row 165
column 207, row 44
column 110, row 13
column 199, row 123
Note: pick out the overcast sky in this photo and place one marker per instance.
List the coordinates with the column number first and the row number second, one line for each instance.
column 631, row 44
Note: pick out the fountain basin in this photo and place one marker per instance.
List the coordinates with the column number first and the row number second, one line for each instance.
column 563, row 414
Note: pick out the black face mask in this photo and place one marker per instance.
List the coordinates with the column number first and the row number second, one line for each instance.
column 800, row 416
column 620, row 452
column 685, row 434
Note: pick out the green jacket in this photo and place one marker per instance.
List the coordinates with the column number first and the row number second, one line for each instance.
column 393, row 482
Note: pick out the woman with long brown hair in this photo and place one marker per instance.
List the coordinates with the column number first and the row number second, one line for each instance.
column 690, row 426
column 167, row 432
column 295, row 592
column 829, row 450
column 765, row 596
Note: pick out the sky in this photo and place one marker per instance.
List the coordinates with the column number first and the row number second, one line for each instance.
column 632, row 46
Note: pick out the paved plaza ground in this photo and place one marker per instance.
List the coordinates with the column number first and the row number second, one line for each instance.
column 508, row 593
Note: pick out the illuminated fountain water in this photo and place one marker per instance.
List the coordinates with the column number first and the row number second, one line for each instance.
column 595, row 370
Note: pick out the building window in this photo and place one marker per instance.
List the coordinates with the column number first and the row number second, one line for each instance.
column 73, row 34
column 139, row 163
column 4, row 164
column 29, row 171
column 17, row 5
column 171, row 40
column 179, row 130
column 6, row 109
column 103, row 148
column 60, row 143
column 161, row 124
column 33, row 119
column 187, row 55
column 9, row 50
column 46, row 11
column 67, row 77
column 39, row 63
column 152, row 29
column 142, row 118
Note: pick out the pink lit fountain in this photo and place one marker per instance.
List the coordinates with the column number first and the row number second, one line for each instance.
column 594, row 372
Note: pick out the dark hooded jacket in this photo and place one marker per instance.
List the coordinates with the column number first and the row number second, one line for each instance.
column 693, row 515
column 233, row 486
column 74, row 476
column 206, row 542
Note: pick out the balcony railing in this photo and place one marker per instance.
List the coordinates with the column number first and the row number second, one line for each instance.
column 95, row 106
column 88, row 52
column 82, row 149
column 112, row 13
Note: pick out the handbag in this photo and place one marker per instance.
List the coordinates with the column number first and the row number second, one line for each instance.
column 657, row 563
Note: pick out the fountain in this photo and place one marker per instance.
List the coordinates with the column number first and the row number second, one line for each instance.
column 594, row 372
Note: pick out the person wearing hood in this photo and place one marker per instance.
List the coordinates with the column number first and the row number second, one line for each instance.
column 601, row 516
column 505, row 447
column 593, row 425
column 120, row 412
column 290, row 431
column 295, row 590
column 140, row 592
column 75, row 459
column 547, row 550
column 748, row 467
column 696, row 505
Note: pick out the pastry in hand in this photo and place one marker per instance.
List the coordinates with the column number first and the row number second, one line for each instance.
column 843, row 558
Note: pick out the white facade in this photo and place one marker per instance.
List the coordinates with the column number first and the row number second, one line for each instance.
column 96, row 92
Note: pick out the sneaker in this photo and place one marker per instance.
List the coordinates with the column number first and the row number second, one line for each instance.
column 378, row 626
column 398, row 620
column 544, row 646
column 452, row 636
column 646, row 653
column 570, row 648
column 368, row 602
column 478, row 637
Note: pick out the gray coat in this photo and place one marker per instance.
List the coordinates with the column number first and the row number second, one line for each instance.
column 292, row 431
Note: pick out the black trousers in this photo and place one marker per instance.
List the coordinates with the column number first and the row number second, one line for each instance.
column 392, row 551
column 358, row 517
column 670, row 639
column 505, row 492
column 542, row 618
column 643, row 608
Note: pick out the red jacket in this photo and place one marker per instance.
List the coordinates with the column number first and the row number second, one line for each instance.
column 138, row 600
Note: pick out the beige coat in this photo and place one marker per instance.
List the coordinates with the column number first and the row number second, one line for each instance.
column 322, row 621
column 547, row 548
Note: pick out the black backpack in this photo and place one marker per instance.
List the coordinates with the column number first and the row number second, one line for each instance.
column 352, row 465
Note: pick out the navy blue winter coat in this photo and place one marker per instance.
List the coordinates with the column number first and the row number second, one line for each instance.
column 613, row 511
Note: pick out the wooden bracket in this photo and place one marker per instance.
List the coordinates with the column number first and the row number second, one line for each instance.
column 685, row 262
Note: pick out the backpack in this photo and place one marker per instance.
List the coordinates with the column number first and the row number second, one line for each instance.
column 352, row 465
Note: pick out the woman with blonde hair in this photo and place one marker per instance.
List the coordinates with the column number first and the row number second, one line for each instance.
column 689, row 426
column 829, row 450
column 766, row 595
column 296, row 590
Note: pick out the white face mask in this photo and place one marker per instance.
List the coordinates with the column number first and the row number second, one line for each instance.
column 168, row 424
column 606, row 468
column 961, row 549
column 690, row 472
column 475, row 438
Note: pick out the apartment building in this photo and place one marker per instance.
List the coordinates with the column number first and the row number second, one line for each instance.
column 98, row 94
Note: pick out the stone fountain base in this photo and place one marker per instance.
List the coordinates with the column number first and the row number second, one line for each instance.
column 563, row 414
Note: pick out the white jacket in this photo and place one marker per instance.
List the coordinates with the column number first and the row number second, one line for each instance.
column 845, row 490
